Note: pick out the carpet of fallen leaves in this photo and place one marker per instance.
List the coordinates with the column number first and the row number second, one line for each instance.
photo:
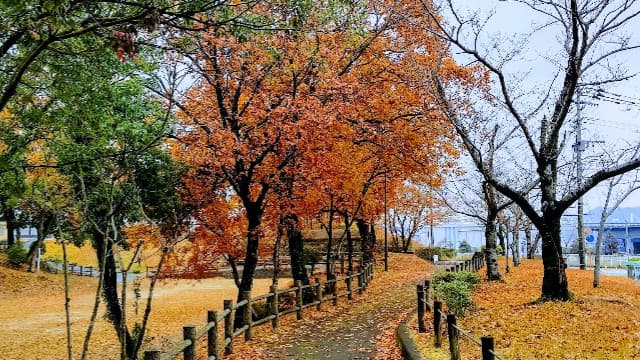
column 600, row 323
column 33, row 320
column 363, row 328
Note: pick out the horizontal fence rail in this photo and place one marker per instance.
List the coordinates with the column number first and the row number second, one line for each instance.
column 219, row 329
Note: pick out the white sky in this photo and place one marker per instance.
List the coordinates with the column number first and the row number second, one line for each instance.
column 612, row 123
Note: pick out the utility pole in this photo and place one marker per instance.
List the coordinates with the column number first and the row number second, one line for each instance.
column 579, row 148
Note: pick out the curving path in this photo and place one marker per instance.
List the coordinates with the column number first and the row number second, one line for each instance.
column 363, row 328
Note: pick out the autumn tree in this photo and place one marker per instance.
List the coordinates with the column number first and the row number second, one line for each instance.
column 592, row 39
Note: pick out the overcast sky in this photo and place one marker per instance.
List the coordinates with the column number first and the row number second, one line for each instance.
column 602, row 120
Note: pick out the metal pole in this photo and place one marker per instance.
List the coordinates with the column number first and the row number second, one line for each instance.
column 386, row 248
column 579, row 148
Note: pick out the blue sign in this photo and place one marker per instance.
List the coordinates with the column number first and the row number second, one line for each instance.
column 590, row 238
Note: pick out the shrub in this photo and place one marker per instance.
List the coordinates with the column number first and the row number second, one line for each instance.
column 17, row 254
column 499, row 250
column 456, row 294
column 428, row 252
column 465, row 247
column 455, row 289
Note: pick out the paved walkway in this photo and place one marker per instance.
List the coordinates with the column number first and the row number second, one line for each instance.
column 355, row 329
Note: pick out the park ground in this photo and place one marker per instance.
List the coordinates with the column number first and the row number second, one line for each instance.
column 602, row 323
column 599, row 323
column 32, row 313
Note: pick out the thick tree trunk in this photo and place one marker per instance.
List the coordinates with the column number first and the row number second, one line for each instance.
column 365, row 241
column 554, row 283
column 296, row 252
column 515, row 245
column 254, row 217
column 490, row 253
column 110, row 291
column 527, row 235
column 41, row 232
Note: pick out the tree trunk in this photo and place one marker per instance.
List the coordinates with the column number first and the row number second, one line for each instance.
column 110, row 291
column 365, row 241
column 10, row 222
column 515, row 245
column 296, row 252
column 554, row 283
column 254, row 217
column 527, row 235
column 596, row 265
column 532, row 250
column 349, row 242
column 490, row 253
column 41, row 233
column 329, row 270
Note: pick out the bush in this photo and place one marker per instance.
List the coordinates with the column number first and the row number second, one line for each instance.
column 455, row 289
column 499, row 250
column 465, row 247
column 17, row 254
column 428, row 252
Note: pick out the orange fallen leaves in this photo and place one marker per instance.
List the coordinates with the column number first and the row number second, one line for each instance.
column 599, row 323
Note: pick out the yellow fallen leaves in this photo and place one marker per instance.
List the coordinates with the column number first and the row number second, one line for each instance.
column 599, row 323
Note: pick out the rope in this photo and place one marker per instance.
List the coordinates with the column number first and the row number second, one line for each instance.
column 468, row 336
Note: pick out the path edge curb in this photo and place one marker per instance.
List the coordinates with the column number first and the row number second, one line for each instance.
column 407, row 346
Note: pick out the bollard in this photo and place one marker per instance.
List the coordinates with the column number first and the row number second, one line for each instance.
column 228, row 327
column 427, row 295
column 299, row 299
column 246, row 315
column 274, row 306
column 189, row 333
column 437, row 319
column 422, row 327
column 454, row 347
column 212, row 334
column 152, row 355
column 319, row 294
column 487, row 348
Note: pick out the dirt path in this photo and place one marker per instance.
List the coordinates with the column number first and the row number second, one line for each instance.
column 359, row 329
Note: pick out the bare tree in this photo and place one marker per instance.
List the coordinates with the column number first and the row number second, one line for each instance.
column 611, row 203
column 484, row 205
column 592, row 40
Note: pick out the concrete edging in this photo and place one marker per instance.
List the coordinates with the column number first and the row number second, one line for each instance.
column 409, row 349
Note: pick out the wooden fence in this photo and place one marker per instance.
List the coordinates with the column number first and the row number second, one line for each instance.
column 80, row 270
column 323, row 291
column 440, row 318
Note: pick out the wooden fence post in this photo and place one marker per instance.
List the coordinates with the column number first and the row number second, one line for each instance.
column 427, row 295
column 212, row 334
column 487, row 348
column 189, row 333
column 360, row 281
column 347, row 281
column 228, row 327
column 319, row 294
column 152, row 355
column 246, row 315
column 299, row 299
column 454, row 347
column 422, row 327
column 334, row 290
column 274, row 306
column 437, row 319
